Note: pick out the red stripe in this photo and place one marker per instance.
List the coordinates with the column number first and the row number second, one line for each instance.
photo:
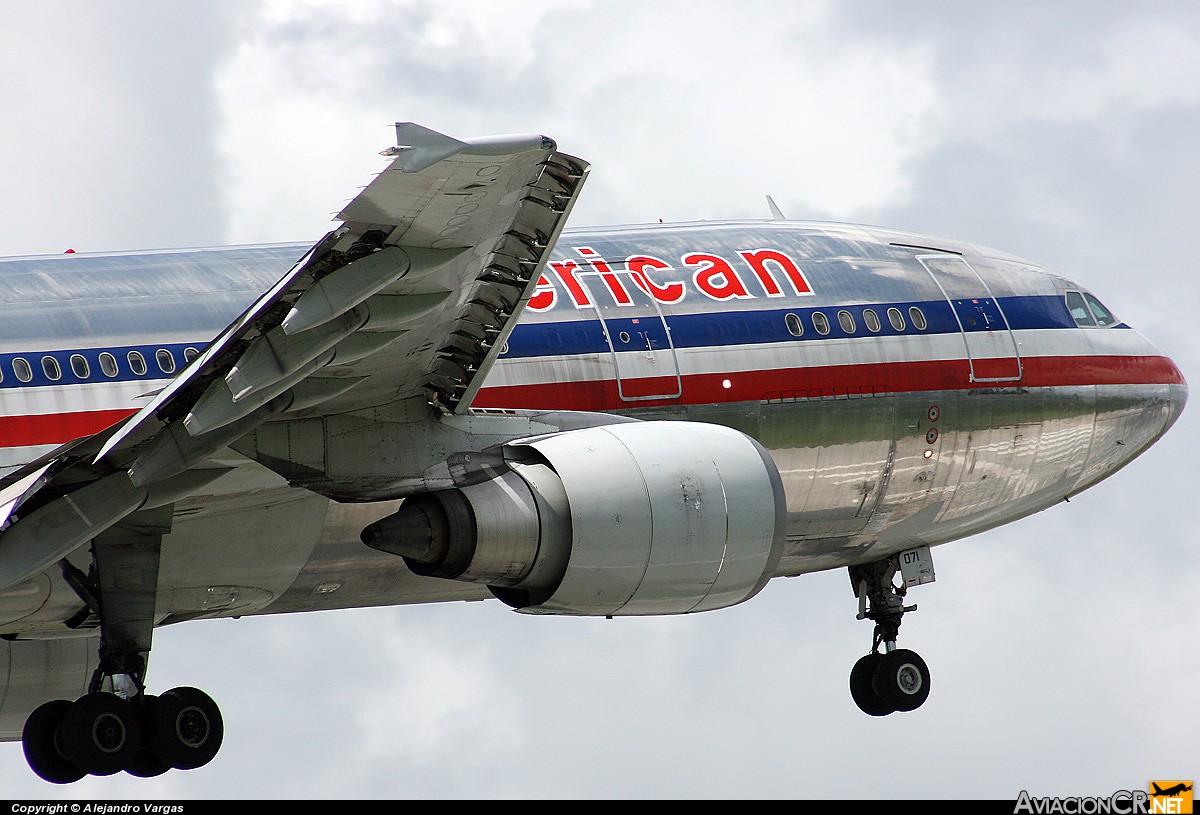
column 56, row 428
column 649, row 386
column 1002, row 368
column 839, row 380
column 784, row 383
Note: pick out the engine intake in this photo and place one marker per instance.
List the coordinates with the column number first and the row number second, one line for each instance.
column 635, row 518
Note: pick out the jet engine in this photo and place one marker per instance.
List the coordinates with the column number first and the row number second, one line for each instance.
column 638, row 518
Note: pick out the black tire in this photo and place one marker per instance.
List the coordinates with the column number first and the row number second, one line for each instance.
column 862, row 690
column 902, row 679
column 100, row 733
column 187, row 728
column 39, row 739
column 146, row 763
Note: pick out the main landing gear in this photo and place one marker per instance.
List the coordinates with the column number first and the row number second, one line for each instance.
column 895, row 679
column 116, row 726
column 102, row 733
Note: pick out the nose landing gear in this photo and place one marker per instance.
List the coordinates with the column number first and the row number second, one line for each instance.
column 894, row 679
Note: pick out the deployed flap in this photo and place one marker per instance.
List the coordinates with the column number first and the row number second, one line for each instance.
column 414, row 293
column 412, row 296
column 12, row 495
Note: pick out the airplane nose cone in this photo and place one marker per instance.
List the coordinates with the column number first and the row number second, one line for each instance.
column 1177, row 398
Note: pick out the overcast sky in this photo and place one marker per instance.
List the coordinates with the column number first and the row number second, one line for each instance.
column 1062, row 648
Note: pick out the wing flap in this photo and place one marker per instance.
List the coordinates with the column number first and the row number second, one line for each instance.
column 409, row 298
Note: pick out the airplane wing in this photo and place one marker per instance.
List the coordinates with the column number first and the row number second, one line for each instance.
column 408, row 301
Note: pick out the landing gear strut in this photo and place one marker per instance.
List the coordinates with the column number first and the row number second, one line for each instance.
column 894, row 679
column 116, row 726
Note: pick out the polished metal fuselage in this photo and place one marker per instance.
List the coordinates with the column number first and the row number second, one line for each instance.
column 885, row 437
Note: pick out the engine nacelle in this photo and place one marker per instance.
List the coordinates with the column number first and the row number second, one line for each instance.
column 635, row 518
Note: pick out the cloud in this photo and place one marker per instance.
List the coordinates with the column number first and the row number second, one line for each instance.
column 707, row 114
column 108, row 126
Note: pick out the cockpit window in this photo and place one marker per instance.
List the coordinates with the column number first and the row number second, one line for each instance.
column 1079, row 309
column 1088, row 311
column 1103, row 316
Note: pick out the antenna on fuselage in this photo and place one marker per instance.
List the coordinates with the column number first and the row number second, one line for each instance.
column 776, row 212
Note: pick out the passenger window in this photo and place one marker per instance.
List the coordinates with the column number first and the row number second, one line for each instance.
column 1103, row 316
column 846, row 321
column 51, row 368
column 166, row 362
column 917, row 317
column 22, row 370
column 871, row 319
column 189, row 354
column 108, row 364
column 79, row 366
column 137, row 363
column 1079, row 309
column 794, row 326
column 820, row 323
column 896, row 319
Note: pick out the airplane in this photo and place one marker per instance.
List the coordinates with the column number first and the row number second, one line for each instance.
column 454, row 396
column 1173, row 790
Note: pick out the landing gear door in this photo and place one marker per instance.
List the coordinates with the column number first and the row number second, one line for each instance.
column 916, row 566
column 991, row 347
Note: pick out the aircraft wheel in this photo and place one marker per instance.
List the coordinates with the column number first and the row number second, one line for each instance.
column 862, row 690
column 902, row 679
column 100, row 733
column 40, row 741
column 186, row 728
column 146, row 763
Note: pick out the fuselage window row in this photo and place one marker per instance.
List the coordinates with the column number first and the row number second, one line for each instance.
column 78, row 366
column 848, row 325
column 1086, row 310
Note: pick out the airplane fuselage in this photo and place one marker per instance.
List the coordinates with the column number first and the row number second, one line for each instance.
column 911, row 391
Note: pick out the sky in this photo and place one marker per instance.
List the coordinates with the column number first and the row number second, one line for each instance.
column 1062, row 650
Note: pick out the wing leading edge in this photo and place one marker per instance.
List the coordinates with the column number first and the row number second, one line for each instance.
column 408, row 300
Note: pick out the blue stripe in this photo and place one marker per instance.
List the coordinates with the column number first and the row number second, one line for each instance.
column 758, row 327
column 95, row 373
column 587, row 337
